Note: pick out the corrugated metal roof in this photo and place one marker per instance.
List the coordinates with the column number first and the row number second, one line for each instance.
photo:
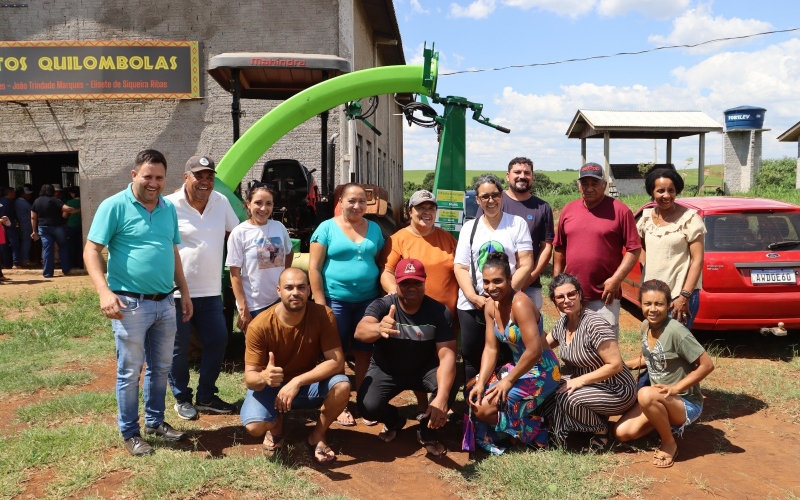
column 791, row 135
column 680, row 122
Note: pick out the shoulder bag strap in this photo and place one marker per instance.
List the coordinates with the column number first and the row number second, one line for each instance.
column 471, row 260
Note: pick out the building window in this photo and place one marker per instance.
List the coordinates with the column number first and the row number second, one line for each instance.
column 359, row 163
column 18, row 174
column 69, row 176
column 368, row 162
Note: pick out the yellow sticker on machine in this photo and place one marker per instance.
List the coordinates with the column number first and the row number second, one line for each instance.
column 446, row 198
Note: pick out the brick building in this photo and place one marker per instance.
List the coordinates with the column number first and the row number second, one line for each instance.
column 93, row 142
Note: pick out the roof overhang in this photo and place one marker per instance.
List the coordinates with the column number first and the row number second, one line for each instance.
column 386, row 31
column 276, row 76
column 791, row 135
column 640, row 124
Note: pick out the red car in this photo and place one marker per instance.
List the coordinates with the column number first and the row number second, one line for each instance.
column 750, row 267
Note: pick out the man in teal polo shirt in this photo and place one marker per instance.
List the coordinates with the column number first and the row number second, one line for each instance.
column 140, row 229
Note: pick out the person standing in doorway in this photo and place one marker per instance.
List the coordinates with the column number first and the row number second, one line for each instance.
column 140, row 229
column 75, row 229
column 205, row 218
column 47, row 221
column 11, row 255
column 22, row 205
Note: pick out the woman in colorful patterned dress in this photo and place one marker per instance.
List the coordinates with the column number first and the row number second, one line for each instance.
column 504, row 402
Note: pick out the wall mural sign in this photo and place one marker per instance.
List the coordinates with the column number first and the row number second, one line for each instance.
column 99, row 69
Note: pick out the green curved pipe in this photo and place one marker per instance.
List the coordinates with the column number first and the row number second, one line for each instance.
column 311, row 102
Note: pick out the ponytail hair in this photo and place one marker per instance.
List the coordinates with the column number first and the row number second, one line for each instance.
column 499, row 259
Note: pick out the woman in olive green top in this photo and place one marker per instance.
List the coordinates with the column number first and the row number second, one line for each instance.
column 676, row 363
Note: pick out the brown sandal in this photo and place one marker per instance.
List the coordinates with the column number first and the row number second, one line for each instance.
column 275, row 443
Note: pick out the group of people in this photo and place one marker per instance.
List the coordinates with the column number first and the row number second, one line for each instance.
column 400, row 306
column 53, row 218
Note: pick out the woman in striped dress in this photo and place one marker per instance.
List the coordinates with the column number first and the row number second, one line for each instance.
column 595, row 383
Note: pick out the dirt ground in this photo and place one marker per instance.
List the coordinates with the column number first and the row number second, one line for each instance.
column 746, row 450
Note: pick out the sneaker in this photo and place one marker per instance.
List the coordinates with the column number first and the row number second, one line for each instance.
column 186, row 410
column 215, row 405
column 138, row 447
column 165, row 431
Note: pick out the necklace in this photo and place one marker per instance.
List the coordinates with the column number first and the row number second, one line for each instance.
column 664, row 216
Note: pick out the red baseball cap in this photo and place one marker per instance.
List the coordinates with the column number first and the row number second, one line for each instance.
column 409, row 269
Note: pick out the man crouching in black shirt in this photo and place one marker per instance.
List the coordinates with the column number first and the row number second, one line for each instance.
column 415, row 349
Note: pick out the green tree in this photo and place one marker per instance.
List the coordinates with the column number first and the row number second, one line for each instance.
column 427, row 182
column 777, row 173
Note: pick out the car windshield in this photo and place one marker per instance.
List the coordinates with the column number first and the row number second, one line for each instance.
column 754, row 231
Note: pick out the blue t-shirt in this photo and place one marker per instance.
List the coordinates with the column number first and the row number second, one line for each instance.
column 350, row 273
column 140, row 244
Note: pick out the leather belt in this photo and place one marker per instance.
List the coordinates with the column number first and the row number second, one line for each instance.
column 141, row 296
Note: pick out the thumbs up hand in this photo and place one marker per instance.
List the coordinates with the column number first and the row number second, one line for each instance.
column 272, row 375
column 388, row 325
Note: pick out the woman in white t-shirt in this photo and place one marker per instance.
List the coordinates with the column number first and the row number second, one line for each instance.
column 494, row 231
column 259, row 249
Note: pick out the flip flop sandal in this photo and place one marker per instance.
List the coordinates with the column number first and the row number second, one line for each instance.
column 352, row 422
column 387, row 435
column 369, row 423
column 666, row 460
column 432, row 447
column 598, row 444
column 322, row 449
column 276, row 443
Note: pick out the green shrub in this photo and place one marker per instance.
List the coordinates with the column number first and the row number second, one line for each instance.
column 777, row 173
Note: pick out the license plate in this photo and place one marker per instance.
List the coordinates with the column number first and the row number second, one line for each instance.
column 771, row 276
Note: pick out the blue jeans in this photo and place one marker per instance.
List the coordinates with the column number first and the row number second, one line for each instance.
column 51, row 235
column 11, row 248
column 260, row 406
column 145, row 334
column 209, row 323
column 25, row 230
column 348, row 314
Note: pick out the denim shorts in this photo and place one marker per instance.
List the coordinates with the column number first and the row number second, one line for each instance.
column 693, row 412
column 260, row 406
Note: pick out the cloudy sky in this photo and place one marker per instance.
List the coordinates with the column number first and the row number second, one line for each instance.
column 538, row 103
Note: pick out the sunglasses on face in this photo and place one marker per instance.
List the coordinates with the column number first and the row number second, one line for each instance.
column 569, row 295
column 490, row 196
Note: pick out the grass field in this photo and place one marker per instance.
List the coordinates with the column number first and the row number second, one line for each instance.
column 417, row 176
column 713, row 178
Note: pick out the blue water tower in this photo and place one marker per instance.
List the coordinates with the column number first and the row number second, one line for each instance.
column 744, row 117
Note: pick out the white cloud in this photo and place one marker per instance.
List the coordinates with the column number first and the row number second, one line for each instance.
column 697, row 25
column 660, row 9
column 417, row 7
column 571, row 8
column 768, row 78
column 574, row 8
column 478, row 9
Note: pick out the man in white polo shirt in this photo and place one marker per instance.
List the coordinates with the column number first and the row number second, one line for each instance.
column 205, row 217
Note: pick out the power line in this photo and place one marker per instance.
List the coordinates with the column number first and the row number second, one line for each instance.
column 606, row 56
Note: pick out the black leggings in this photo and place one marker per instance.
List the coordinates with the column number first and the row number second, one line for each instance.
column 378, row 388
column 473, row 338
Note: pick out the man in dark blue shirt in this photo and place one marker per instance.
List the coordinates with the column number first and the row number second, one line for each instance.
column 415, row 349
column 537, row 213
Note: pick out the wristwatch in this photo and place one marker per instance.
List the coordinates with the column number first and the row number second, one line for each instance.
column 686, row 294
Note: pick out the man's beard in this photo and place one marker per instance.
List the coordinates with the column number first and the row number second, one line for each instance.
column 516, row 189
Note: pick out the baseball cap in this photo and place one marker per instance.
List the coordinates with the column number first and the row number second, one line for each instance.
column 421, row 196
column 591, row 169
column 409, row 269
column 57, row 187
column 199, row 163
column 26, row 189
